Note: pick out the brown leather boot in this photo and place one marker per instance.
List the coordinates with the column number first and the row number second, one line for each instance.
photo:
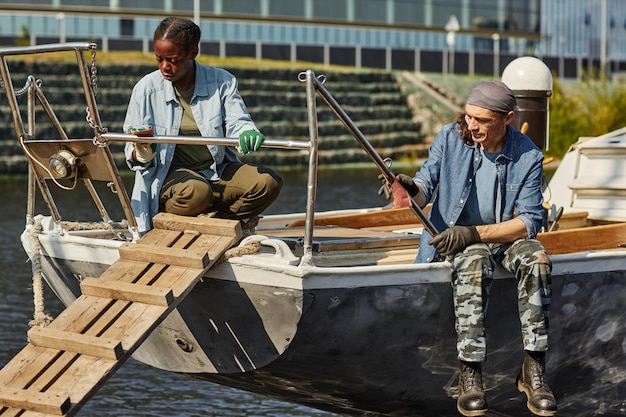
column 541, row 400
column 472, row 400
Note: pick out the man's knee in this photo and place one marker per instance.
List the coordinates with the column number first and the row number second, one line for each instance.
column 474, row 257
column 528, row 253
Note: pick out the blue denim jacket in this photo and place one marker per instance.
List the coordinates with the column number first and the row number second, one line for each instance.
column 218, row 110
column 450, row 170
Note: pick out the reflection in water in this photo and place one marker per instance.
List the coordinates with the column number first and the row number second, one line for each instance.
column 136, row 389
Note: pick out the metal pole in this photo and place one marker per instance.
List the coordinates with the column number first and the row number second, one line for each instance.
column 309, row 224
column 358, row 135
column 200, row 140
column 603, row 38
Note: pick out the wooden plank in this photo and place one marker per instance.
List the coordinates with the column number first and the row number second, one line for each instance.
column 130, row 271
column 163, row 255
column 202, row 224
column 83, row 379
column 159, row 237
column 84, row 315
column 80, row 356
column 75, row 342
column 138, row 323
column 37, row 401
column 573, row 220
column 180, row 280
column 384, row 217
column 22, row 413
column 328, row 239
column 139, row 293
column 584, row 239
column 15, row 373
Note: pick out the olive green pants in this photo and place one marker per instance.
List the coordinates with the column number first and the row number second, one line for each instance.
column 242, row 192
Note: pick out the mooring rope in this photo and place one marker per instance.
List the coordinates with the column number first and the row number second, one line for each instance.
column 40, row 318
column 247, row 249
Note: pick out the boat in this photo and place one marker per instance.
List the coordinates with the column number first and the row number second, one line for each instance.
column 328, row 309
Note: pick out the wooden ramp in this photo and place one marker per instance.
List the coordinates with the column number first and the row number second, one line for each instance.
column 65, row 363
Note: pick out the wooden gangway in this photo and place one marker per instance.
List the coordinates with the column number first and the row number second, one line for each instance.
column 65, row 363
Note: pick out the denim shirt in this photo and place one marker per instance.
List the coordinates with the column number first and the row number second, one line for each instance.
column 450, row 170
column 218, row 110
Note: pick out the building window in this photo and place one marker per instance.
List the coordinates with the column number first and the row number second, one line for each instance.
column 251, row 7
column 371, row 11
column 291, row 8
column 410, row 12
column 330, row 9
column 127, row 27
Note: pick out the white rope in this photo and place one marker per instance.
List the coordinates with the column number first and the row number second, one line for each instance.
column 248, row 249
column 40, row 318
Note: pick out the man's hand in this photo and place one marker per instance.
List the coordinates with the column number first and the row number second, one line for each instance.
column 402, row 179
column 250, row 140
column 455, row 239
column 385, row 188
column 408, row 184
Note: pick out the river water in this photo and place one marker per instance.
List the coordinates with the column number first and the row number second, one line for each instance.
column 138, row 390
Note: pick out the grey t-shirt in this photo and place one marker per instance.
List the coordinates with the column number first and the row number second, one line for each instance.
column 481, row 203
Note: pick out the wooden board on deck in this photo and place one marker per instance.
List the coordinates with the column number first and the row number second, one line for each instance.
column 326, row 239
column 584, row 239
column 65, row 363
column 387, row 217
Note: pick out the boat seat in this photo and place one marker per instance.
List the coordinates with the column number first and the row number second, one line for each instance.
column 331, row 238
column 343, row 246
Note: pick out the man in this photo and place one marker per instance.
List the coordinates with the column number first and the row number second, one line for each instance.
column 186, row 98
column 488, row 210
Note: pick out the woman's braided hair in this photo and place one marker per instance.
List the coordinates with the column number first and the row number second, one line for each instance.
column 182, row 32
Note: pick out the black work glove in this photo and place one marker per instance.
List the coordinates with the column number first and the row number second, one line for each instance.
column 455, row 239
column 402, row 179
column 408, row 184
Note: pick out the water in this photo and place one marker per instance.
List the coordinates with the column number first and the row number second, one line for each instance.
column 136, row 389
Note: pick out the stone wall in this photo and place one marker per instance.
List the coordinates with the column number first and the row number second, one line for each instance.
column 275, row 98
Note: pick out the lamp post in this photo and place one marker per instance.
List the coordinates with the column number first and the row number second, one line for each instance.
column 196, row 17
column 603, row 37
column 531, row 82
column 452, row 27
column 496, row 53
column 61, row 19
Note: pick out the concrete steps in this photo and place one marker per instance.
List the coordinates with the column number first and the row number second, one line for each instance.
column 275, row 98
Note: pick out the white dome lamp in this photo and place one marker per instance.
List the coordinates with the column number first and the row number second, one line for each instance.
column 531, row 82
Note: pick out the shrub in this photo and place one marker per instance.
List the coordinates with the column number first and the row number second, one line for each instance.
column 590, row 108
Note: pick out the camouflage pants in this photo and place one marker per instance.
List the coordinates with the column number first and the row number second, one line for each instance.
column 472, row 277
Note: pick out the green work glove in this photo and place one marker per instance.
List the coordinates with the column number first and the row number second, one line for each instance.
column 455, row 239
column 250, row 140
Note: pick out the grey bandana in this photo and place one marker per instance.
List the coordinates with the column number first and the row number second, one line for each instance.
column 492, row 95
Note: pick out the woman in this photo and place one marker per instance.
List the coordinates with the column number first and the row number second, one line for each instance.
column 185, row 98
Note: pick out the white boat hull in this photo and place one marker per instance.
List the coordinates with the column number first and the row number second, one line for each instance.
column 371, row 338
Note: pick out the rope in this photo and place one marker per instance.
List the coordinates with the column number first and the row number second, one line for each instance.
column 248, row 249
column 40, row 318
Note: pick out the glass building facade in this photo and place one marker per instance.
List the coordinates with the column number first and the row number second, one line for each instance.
column 569, row 28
